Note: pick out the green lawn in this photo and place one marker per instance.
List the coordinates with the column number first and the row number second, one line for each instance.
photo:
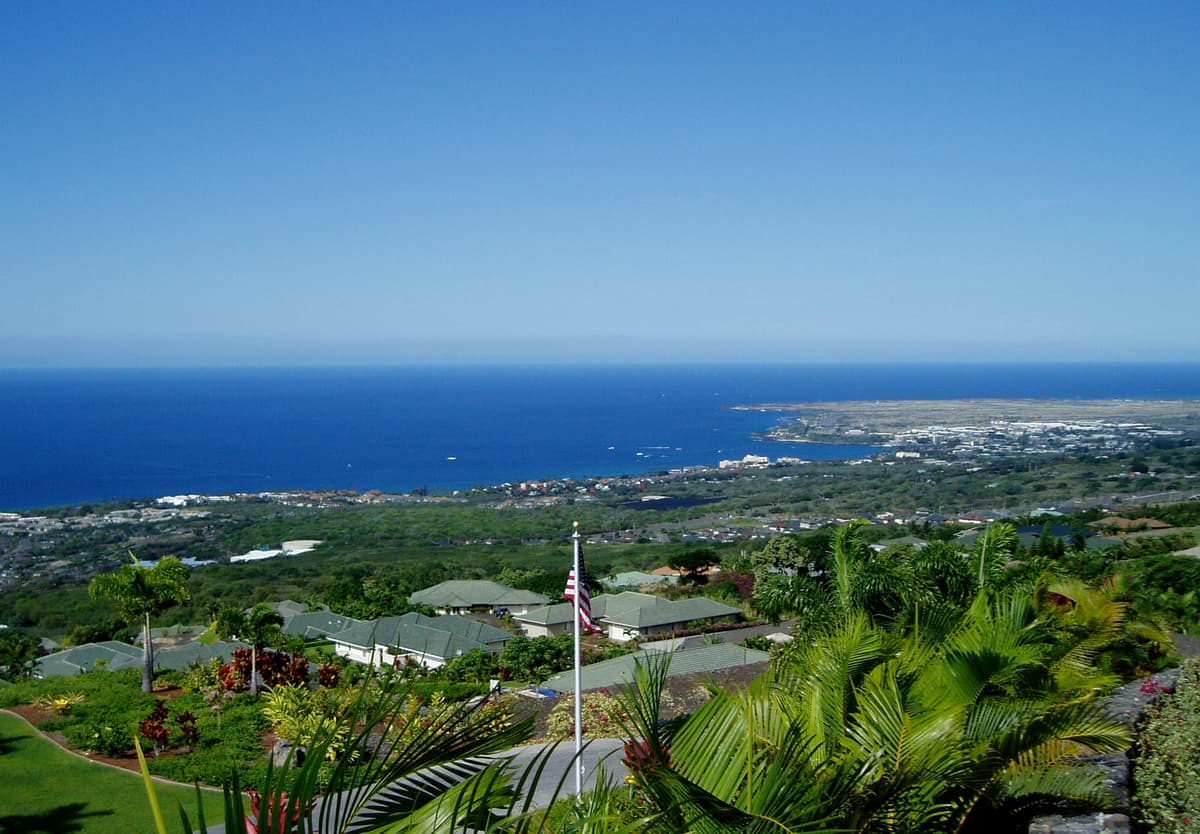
column 48, row 790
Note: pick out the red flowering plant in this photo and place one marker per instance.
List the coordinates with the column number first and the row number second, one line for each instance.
column 276, row 815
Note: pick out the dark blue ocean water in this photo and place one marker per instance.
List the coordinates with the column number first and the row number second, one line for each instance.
column 74, row 436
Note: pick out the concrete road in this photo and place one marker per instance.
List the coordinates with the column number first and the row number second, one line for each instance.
column 558, row 775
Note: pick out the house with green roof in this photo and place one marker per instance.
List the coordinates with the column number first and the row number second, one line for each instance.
column 112, row 655
column 415, row 639
column 312, row 625
column 619, row 671
column 459, row 596
column 109, row 655
column 629, row 616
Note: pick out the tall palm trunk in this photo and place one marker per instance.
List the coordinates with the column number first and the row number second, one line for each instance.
column 147, row 657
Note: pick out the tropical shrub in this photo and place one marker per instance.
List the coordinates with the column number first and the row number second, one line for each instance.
column 303, row 716
column 436, row 775
column 229, row 742
column 59, row 703
column 203, row 677
column 105, row 738
column 154, row 727
column 328, row 675
column 1166, row 772
column 869, row 726
column 603, row 717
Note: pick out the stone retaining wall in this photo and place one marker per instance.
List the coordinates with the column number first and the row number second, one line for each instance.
column 1126, row 704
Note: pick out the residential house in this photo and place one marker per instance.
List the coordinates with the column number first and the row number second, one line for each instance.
column 415, row 639
column 112, row 655
column 459, row 596
column 313, row 625
column 628, row 616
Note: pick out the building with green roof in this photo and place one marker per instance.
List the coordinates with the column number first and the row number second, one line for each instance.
column 459, row 596
column 112, row 655
column 619, row 671
column 312, row 625
column 109, row 655
column 629, row 615
column 414, row 638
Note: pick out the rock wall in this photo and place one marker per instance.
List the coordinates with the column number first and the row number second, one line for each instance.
column 1126, row 704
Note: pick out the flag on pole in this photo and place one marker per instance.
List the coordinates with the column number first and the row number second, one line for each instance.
column 585, row 599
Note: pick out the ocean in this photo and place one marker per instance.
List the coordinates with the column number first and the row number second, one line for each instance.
column 68, row 437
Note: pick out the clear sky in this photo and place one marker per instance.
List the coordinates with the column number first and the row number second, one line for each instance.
column 214, row 183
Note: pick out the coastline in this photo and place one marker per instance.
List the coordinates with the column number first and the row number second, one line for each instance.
column 79, row 437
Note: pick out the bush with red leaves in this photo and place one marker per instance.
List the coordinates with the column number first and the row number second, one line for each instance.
column 328, row 676
column 186, row 721
column 154, row 727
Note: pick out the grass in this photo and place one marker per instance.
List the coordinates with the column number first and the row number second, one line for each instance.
column 209, row 637
column 47, row 789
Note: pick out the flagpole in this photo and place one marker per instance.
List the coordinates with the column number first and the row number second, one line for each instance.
column 578, row 667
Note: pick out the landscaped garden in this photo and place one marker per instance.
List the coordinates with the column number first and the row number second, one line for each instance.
column 46, row 789
column 929, row 690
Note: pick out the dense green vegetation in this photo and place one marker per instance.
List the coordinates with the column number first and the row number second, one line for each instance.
column 375, row 555
column 1166, row 772
column 909, row 706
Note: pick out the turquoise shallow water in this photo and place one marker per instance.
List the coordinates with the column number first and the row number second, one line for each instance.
column 75, row 436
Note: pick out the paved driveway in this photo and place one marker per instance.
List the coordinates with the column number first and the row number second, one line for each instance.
column 604, row 753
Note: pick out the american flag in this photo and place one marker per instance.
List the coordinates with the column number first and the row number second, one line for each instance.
column 585, row 599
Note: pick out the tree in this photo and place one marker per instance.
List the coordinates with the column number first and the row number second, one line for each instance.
column 18, row 653
column 694, row 564
column 141, row 593
column 782, row 554
column 871, row 728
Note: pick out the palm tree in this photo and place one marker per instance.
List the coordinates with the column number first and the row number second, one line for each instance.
column 141, row 593
column 869, row 727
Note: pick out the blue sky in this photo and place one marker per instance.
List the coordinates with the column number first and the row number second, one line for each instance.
column 303, row 183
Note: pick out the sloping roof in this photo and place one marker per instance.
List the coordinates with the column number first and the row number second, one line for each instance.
column 547, row 615
column 634, row 610
column 434, row 642
column 462, row 626
column 287, row 608
column 644, row 610
column 359, row 633
column 316, row 624
column 442, row 637
column 464, row 593
column 184, row 656
column 116, row 655
column 620, row 670
column 112, row 654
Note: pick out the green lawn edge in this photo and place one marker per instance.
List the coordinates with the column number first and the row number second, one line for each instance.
column 47, row 789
